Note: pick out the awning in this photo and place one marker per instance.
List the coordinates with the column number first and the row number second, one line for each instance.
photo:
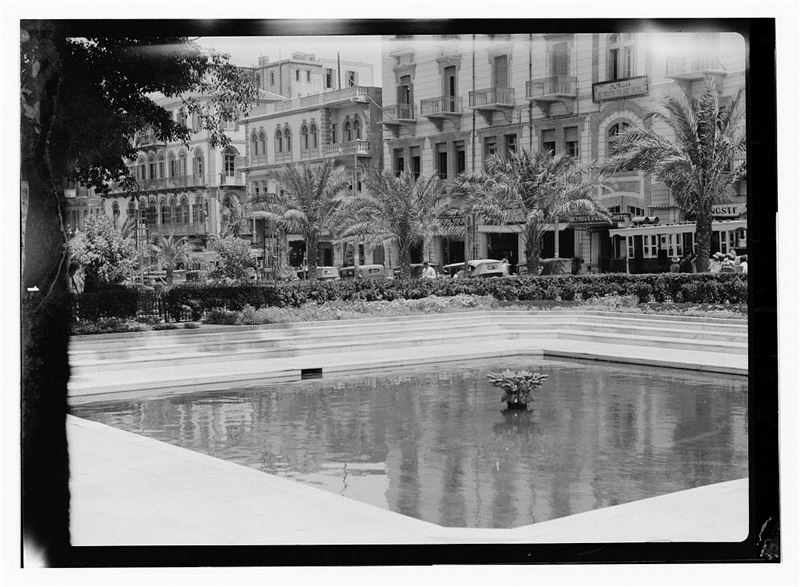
column 678, row 228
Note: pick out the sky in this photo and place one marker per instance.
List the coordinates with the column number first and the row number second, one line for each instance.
column 245, row 51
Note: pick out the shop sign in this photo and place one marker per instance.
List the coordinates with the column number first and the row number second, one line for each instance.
column 727, row 210
column 619, row 89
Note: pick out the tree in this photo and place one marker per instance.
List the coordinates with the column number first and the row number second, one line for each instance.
column 306, row 203
column 234, row 259
column 170, row 253
column 102, row 254
column 531, row 190
column 699, row 164
column 401, row 209
column 83, row 98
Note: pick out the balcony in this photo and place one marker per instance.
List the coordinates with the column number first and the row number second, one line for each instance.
column 359, row 148
column 398, row 115
column 283, row 157
column 437, row 110
column 236, row 179
column 490, row 100
column 257, row 160
column 558, row 88
column 695, row 67
column 167, row 183
column 178, row 229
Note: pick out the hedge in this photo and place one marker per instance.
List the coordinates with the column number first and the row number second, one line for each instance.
column 120, row 302
column 192, row 301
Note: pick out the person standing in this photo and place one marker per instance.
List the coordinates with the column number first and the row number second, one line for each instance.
column 428, row 272
column 743, row 264
column 685, row 265
column 676, row 266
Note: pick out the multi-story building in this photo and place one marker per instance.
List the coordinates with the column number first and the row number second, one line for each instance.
column 305, row 74
column 456, row 99
column 320, row 123
column 191, row 191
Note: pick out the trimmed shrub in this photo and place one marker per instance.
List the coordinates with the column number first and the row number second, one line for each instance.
column 220, row 316
column 119, row 302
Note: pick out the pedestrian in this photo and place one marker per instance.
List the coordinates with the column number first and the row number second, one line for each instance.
column 676, row 266
column 506, row 266
column 743, row 264
column 715, row 262
column 428, row 272
column 685, row 265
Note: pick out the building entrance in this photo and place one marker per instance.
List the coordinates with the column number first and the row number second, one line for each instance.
column 504, row 245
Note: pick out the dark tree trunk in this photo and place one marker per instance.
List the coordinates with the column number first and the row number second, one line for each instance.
column 45, row 369
column 404, row 248
column 703, row 240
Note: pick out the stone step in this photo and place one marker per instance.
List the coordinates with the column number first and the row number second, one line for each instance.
column 718, row 346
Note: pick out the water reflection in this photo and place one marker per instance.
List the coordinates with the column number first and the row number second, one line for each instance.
column 437, row 445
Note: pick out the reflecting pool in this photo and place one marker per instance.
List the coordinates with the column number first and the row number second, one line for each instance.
column 435, row 442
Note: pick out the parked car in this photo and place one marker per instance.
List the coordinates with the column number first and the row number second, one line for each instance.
column 324, row 273
column 416, row 270
column 364, row 272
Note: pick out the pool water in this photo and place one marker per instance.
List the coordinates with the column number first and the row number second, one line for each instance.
column 435, row 442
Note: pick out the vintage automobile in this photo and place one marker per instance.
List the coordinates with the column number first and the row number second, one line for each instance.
column 478, row 268
column 324, row 273
column 364, row 272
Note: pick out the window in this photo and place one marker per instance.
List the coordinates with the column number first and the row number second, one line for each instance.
column 461, row 157
column 650, row 246
column 559, row 58
column 351, row 78
column 333, row 132
column 271, row 78
column 613, row 135
column 161, row 165
column 151, row 166
column 489, row 148
column 347, row 136
column 198, row 211
column 278, row 141
column 500, row 71
column 151, row 214
column 636, row 211
column 511, row 144
column 398, row 161
column 620, row 56
column 287, row 140
column 405, row 91
column 571, row 141
column 312, row 131
column 304, row 137
column 262, row 140
column 254, row 144
column 141, row 168
column 308, row 75
column 297, row 75
column 229, row 162
column 172, row 165
column 673, row 244
column 356, row 129
column 183, row 216
column 328, row 78
column 549, row 141
column 198, row 163
column 441, row 160
column 416, row 161
column 115, row 212
column 449, row 88
column 165, row 213
column 182, row 164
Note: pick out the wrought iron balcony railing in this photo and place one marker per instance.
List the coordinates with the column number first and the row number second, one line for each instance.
column 554, row 86
column 491, row 97
column 442, row 105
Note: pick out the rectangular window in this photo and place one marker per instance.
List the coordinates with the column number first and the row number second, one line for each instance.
column 328, row 78
column 650, row 246
column 398, row 161
column 461, row 157
column 571, row 141
column 559, row 58
column 352, row 78
column 405, row 93
column 489, row 148
column 627, row 61
column 297, row 75
column 308, row 75
column 272, row 78
column 441, row 160
column 511, row 144
column 416, row 161
column 549, row 141
column 500, row 72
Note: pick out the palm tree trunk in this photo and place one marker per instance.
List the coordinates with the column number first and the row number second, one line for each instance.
column 555, row 238
column 312, row 240
column 703, row 240
column 533, row 246
column 404, row 246
column 169, row 274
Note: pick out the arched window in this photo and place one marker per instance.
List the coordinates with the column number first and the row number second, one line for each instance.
column 262, row 139
column 198, row 211
column 347, row 137
column 254, row 144
column 115, row 213
column 356, row 129
column 141, row 168
column 161, row 164
column 131, row 211
column 613, row 134
column 166, row 218
column 174, row 217
column 172, row 164
column 229, row 161
column 182, row 117
column 182, row 164
column 304, row 137
column 151, row 214
column 620, row 56
column 312, row 131
column 199, row 167
column 151, row 166
column 287, row 140
column 278, row 145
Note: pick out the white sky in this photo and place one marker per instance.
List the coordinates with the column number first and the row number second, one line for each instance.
column 245, row 51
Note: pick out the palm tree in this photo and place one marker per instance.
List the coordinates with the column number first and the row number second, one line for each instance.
column 531, row 190
column 401, row 209
column 170, row 252
column 307, row 203
column 699, row 165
